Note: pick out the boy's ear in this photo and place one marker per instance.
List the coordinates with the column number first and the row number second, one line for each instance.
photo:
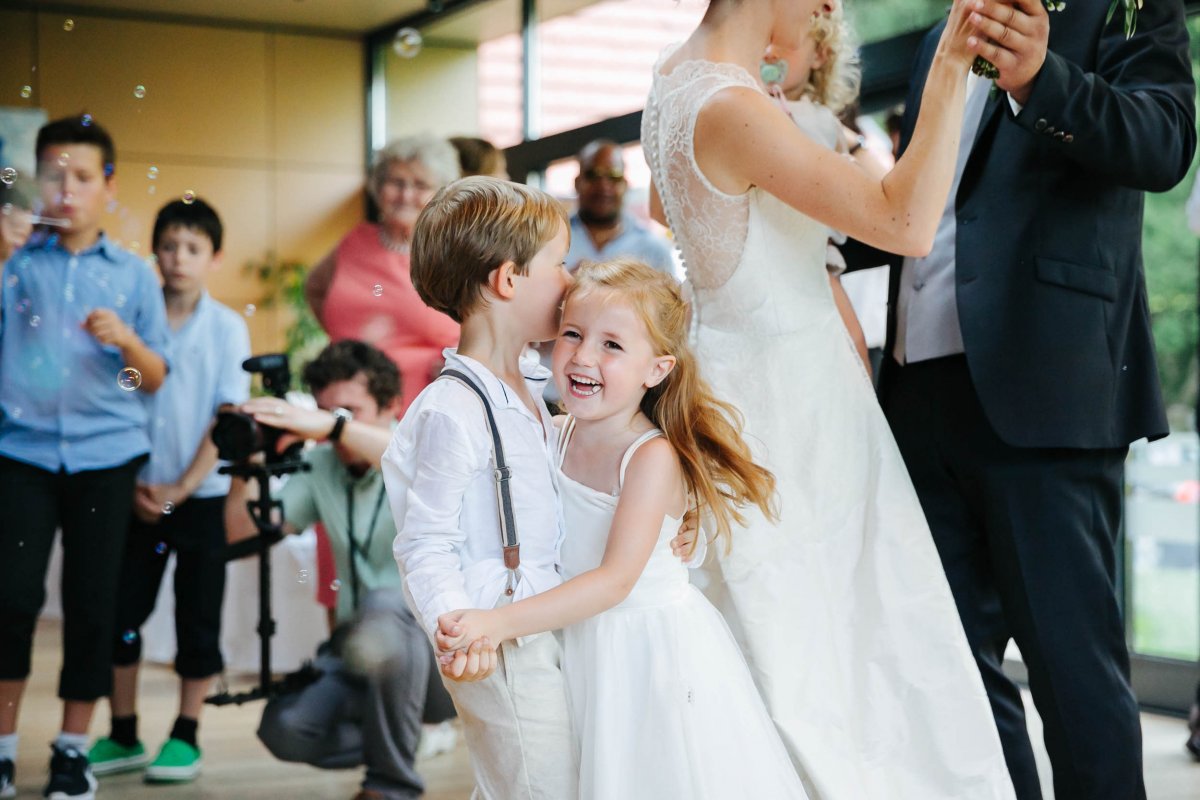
column 660, row 370
column 500, row 280
column 217, row 259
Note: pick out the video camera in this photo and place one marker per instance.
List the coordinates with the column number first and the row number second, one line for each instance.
column 239, row 436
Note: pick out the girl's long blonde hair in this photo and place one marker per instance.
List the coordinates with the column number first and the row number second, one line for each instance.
column 706, row 432
column 836, row 82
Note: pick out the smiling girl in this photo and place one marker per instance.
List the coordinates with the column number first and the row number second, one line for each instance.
column 663, row 704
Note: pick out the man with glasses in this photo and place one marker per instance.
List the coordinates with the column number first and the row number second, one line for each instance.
column 601, row 229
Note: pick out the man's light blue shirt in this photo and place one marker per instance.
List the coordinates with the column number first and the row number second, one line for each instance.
column 61, row 407
column 207, row 354
column 635, row 241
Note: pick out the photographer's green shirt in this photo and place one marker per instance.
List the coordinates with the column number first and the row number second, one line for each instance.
column 325, row 494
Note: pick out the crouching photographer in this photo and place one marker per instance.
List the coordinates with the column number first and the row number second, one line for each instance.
column 375, row 680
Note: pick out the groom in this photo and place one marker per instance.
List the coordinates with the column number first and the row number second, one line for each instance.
column 1022, row 363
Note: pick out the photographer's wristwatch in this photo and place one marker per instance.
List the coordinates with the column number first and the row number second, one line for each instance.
column 340, row 416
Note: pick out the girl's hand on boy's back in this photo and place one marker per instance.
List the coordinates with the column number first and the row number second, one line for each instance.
column 684, row 543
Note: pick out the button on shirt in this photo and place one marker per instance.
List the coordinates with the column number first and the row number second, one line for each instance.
column 207, row 353
column 635, row 241
column 438, row 471
column 927, row 323
column 61, row 407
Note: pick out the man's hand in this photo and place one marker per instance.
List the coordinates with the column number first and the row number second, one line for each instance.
column 107, row 328
column 1014, row 35
column 301, row 423
column 473, row 664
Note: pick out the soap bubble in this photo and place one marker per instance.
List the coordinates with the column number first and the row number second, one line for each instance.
column 378, row 290
column 168, row 508
column 160, row 548
column 152, row 173
column 22, row 305
column 8, row 176
column 139, row 91
column 26, row 91
column 68, row 25
column 64, row 159
column 129, row 637
column 302, row 576
column 336, row 585
column 407, row 43
column 129, row 379
column 249, row 310
column 86, row 120
column 189, row 197
column 34, row 321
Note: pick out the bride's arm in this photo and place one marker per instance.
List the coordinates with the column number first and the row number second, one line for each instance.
column 742, row 140
column 652, row 489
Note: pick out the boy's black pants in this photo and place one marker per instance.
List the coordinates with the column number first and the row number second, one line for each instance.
column 93, row 508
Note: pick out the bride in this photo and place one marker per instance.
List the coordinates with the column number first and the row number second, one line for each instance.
column 842, row 608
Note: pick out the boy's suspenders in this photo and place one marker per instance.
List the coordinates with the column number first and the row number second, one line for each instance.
column 509, row 539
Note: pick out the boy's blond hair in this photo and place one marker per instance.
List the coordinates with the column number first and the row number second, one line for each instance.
column 471, row 227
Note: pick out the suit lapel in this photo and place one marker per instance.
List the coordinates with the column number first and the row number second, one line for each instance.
column 993, row 110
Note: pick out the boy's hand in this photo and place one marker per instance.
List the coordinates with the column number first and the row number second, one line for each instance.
column 107, row 328
column 150, row 502
column 684, row 543
column 473, row 664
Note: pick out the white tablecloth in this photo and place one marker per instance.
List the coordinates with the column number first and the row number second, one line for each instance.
column 300, row 623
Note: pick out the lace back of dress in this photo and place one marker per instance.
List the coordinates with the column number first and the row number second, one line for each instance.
column 709, row 226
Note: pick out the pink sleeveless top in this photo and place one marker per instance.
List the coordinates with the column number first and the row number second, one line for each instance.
column 372, row 298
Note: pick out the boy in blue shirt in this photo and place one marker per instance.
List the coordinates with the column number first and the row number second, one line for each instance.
column 180, row 499
column 82, row 331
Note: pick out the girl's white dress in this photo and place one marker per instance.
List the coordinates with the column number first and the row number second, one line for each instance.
column 663, row 706
column 842, row 609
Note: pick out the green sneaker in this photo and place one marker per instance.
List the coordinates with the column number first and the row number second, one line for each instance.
column 108, row 757
column 177, row 762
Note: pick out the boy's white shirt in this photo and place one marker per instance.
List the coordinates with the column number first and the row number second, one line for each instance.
column 438, row 474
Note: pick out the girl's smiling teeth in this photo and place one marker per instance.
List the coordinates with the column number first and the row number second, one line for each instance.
column 584, row 386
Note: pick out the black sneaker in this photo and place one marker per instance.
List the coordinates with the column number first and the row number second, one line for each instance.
column 8, row 787
column 70, row 776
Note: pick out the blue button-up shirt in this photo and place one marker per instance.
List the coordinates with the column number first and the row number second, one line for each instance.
column 635, row 241
column 207, row 354
column 61, row 406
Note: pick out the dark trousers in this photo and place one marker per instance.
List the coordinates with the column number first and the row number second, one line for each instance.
column 93, row 510
column 345, row 718
column 1027, row 538
column 195, row 531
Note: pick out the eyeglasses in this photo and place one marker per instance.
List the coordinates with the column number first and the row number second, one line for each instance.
column 613, row 175
column 400, row 185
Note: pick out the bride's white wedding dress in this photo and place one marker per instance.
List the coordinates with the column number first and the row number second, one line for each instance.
column 842, row 609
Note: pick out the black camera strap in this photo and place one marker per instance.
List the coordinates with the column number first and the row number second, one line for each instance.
column 357, row 549
column 509, row 539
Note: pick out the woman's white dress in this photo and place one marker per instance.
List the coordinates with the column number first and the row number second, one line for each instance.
column 842, row 609
column 662, row 703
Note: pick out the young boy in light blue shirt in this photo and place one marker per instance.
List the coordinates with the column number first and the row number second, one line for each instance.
column 180, row 499
column 82, row 335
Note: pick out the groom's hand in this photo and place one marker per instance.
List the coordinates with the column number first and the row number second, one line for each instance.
column 1014, row 35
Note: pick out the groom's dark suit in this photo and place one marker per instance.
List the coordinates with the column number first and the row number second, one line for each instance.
column 1016, row 446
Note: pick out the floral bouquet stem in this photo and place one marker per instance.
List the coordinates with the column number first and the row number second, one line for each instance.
column 986, row 69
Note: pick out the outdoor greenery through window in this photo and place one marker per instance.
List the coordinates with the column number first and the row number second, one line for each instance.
column 1162, row 491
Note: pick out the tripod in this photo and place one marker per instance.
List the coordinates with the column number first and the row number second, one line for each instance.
column 267, row 514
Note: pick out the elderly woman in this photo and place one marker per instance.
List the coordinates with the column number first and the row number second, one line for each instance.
column 362, row 290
